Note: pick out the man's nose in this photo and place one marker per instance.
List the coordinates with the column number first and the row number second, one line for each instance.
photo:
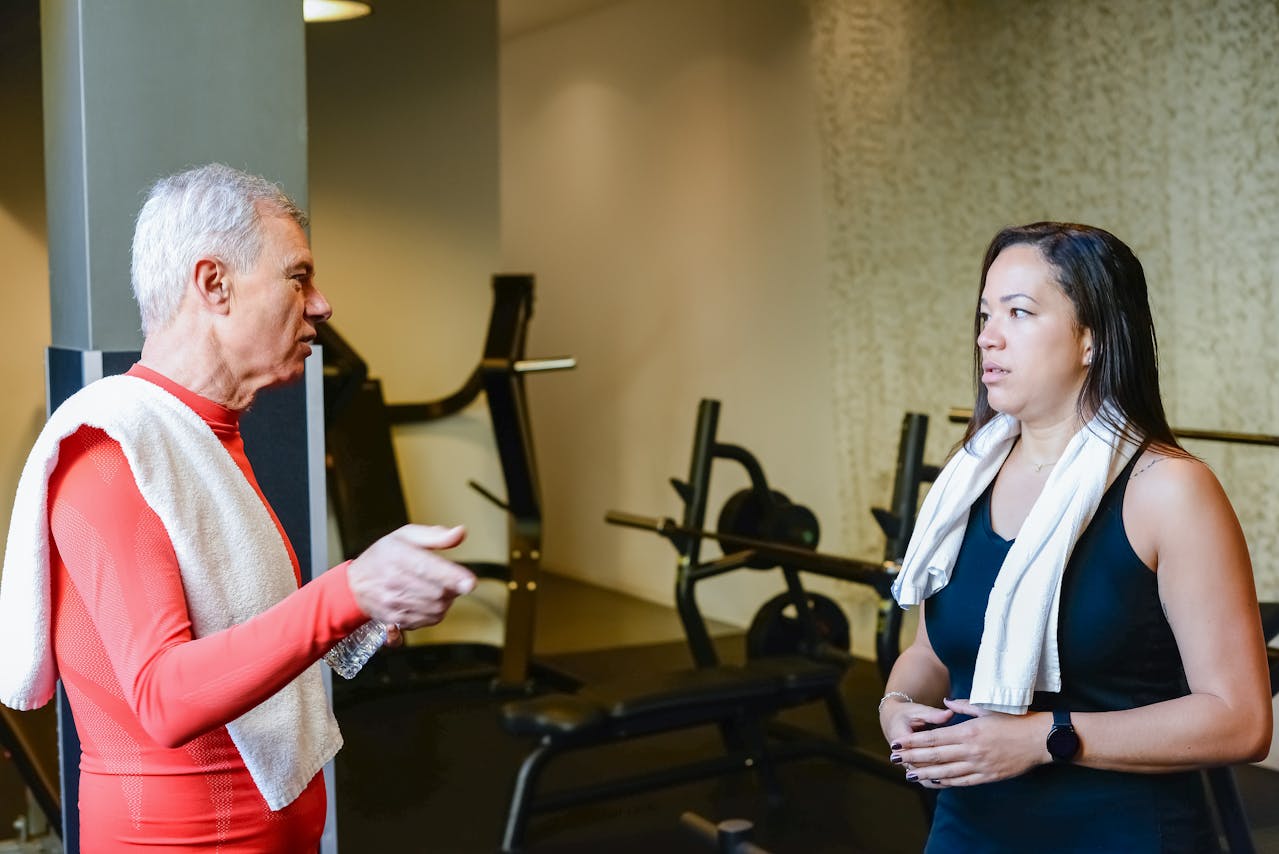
column 317, row 306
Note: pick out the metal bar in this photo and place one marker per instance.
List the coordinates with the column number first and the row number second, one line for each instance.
column 489, row 495
column 414, row 413
column 959, row 414
column 910, row 464
column 666, row 777
column 721, row 565
column 878, row 576
column 521, row 604
column 689, row 547
column 554, row 363
column 748, row 461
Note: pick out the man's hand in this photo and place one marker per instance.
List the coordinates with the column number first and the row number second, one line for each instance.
column 401, row 581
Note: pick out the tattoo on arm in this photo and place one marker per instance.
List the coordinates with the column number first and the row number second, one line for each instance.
column 1146, row 467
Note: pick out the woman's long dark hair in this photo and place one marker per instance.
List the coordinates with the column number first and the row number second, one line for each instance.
column 1105, row 283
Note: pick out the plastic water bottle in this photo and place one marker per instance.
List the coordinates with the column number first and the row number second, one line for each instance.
column 354, row 650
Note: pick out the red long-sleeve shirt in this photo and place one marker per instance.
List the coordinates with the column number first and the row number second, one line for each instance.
column 150, row 702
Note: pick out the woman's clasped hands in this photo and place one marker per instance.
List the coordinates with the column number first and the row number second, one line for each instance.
column 989, row 746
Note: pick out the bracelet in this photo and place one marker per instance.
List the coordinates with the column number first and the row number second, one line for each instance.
column 884, row 699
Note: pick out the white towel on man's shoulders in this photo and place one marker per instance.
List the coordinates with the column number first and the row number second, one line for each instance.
column 233, row 562
column 1018, row 652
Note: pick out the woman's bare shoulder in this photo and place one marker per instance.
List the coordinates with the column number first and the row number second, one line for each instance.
column 1165, row 473
column 1169, row 478
column 1172, row 495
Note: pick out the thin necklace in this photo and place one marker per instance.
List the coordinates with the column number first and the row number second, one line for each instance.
column 1041, row 466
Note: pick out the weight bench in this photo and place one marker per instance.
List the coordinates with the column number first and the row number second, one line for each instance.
column 740, row 699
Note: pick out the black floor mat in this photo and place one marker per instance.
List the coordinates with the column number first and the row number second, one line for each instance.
column 428, row 768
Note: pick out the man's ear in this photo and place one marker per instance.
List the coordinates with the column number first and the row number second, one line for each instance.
column 211, row 285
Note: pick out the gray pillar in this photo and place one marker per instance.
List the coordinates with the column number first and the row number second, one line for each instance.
column 138, row 89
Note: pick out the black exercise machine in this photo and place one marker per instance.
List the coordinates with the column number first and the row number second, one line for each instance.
column 739, row 699
column 29, row 739
column 731, row 836
column 364, row 480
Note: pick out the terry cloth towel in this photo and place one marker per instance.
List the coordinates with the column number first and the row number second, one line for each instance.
column 233, row 561
column 1018, row 651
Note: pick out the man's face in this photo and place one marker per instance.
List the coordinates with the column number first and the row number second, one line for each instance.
column 274, row 308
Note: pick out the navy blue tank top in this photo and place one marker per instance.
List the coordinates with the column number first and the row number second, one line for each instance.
column 1117, row 652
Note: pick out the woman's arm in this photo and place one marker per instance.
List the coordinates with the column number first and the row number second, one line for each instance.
column 920, row 675
column 1180, row 522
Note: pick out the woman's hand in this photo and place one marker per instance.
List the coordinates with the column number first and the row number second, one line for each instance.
column 900, row 719
column 992, row 746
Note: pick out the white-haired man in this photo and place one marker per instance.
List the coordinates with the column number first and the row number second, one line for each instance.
column 145, row 568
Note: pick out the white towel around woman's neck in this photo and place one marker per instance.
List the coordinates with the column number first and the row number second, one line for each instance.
column 233, row 562
column 1018, row 651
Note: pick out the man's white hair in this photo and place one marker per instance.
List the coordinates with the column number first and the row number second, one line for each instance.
column 210, row 211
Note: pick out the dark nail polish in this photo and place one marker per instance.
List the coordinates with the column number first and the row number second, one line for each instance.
column 935, row 782
column 896, row 745
column 912, row 776
column 896, row 759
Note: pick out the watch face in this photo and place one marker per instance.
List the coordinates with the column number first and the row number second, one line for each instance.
column 1063, row 743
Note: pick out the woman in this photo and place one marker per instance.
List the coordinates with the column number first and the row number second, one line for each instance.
column 1089, row 597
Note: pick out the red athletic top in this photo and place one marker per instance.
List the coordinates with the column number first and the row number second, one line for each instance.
column 158, row 769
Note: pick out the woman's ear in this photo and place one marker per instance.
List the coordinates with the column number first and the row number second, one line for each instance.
column 210, row 282
column 1086, row 341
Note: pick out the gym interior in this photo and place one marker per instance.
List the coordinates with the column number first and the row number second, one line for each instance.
column 669, row 302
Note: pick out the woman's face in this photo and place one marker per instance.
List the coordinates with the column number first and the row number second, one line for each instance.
column 1034, row 354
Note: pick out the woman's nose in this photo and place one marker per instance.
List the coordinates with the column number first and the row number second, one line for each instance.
column 989, row 337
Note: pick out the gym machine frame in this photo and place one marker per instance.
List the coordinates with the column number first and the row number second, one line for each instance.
column 18, row 738
column 740, row 700
column 897, row 523
column 500, row 375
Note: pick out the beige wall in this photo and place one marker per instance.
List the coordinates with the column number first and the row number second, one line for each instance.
column 660, row 174
column 943, row 122
column 403, row 180
column 24, row 258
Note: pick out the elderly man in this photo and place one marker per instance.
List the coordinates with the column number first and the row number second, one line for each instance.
column 145, row 568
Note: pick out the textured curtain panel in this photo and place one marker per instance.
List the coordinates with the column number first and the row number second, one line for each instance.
column 943, row 121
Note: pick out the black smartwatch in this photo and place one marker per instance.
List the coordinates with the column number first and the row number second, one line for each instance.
column 1063, row 741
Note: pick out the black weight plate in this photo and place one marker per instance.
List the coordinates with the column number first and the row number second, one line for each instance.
column 795, row 525
column 747, row 513
column 777, row 630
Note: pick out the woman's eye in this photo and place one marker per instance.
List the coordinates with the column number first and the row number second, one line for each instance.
column 982, row 317
column 1019, row 312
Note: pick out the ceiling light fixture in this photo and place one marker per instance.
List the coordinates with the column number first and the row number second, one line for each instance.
column 314, row 11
